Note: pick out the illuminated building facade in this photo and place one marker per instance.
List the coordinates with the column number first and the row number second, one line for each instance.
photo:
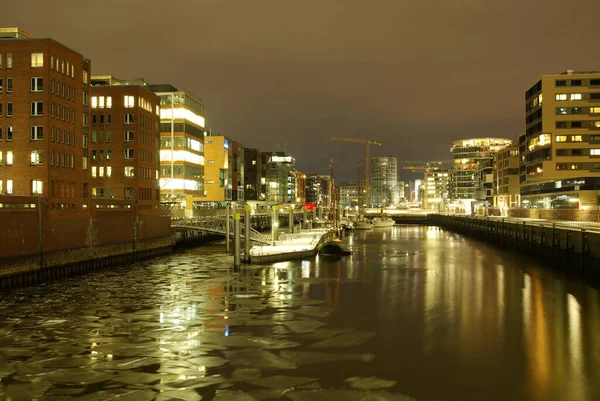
column 472, row 165
column 317, row 189
column 506, row 178
column 123, row 143
column 299, row 187
column 218, row 169
column 384, row 182
column 181, row 146
column 349, row 195
column 435, row 191
column 276, row 176
column 44, row 118
column 560, row 149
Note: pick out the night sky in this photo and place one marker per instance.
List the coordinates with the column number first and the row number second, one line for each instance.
column 278, row 74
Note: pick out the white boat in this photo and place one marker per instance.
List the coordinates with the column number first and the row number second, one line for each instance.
column 382, row 222
column 363, row 225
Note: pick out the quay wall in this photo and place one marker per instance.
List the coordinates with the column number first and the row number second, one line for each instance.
column 572, row 248
column 37, row 243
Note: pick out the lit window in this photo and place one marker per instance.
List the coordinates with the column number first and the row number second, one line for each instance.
column 94, row 102
column 597, row 124
column 594, row 110
column 37, row 187
column 36, row 157
column 9, row 187
column 561, row 110
column 129, row 171
column 129, row 101
column 595, row 152
column 37, row 133
column 85, row 77
column 94, row 171
column 37, row 59
column 37, row 84
column 561, row 138
column 561, row 96
column 108, row 171
column 9, row 61
column 84, row 163
column 100, row 102
column 9, row 158
column 576, row 138
column 101, row 171
column 108, row 102
column 575, row 96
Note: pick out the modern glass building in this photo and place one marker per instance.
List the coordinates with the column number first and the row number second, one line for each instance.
column 470, row 156
column 384, row 182
column 181, row 146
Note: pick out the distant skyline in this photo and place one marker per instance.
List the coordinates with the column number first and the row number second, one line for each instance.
column 415, row 75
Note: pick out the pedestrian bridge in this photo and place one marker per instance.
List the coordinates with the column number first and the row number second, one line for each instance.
column 217, row 225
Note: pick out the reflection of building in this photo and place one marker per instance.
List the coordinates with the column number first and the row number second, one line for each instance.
column 181, row 146
column 217, row 171
column 253, row 174
column 560, row 150
column 276, row 170
column 349, row 196
column 471, row 155
column 384, row 181
column 506, row 178
column 435, row 192
column 123, row 142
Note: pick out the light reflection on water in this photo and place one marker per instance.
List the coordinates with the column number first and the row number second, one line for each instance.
column 452, row 319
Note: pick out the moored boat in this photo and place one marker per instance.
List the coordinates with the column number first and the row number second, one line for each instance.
column 330, row 248
column 382, row 222
column 363, row 225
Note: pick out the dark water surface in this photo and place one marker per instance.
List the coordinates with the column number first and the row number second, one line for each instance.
column 416, row 313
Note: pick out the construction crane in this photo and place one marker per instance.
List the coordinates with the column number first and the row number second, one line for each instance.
column 368, row 161
column 421, row 165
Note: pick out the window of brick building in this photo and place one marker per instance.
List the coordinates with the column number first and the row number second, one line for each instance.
column 37, row 108
column 37, row 60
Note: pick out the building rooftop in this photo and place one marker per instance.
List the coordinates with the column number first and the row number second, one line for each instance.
column 14, row 33
column 109, row 80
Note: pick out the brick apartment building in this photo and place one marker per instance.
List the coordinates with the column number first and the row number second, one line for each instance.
column 43, row 114
column 124, row 142
column 46, row 141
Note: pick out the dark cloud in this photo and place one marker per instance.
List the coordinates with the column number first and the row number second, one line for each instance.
column 275, row 74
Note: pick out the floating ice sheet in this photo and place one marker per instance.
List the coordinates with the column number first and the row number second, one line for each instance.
column 348, row 339
column 370, row 383
column 307, row 357
column 257, row 359
column 283, row 382
column 345, row 395
column 230, row 395
column 119, row 395
column 178, row 395
column 303, row 326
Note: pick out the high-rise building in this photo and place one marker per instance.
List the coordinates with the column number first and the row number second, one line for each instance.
column 181, row 146
column 44, row 114
column 253, row 175
column 560, row 149
column 506, row 178
column 217, row 171
column 276, row 170
column 435, row 191
column 384, row 182
column 317, row 188
column 472, row 160
column 123, row 144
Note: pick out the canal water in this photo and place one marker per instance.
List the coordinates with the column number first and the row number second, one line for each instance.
column 416, row 313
